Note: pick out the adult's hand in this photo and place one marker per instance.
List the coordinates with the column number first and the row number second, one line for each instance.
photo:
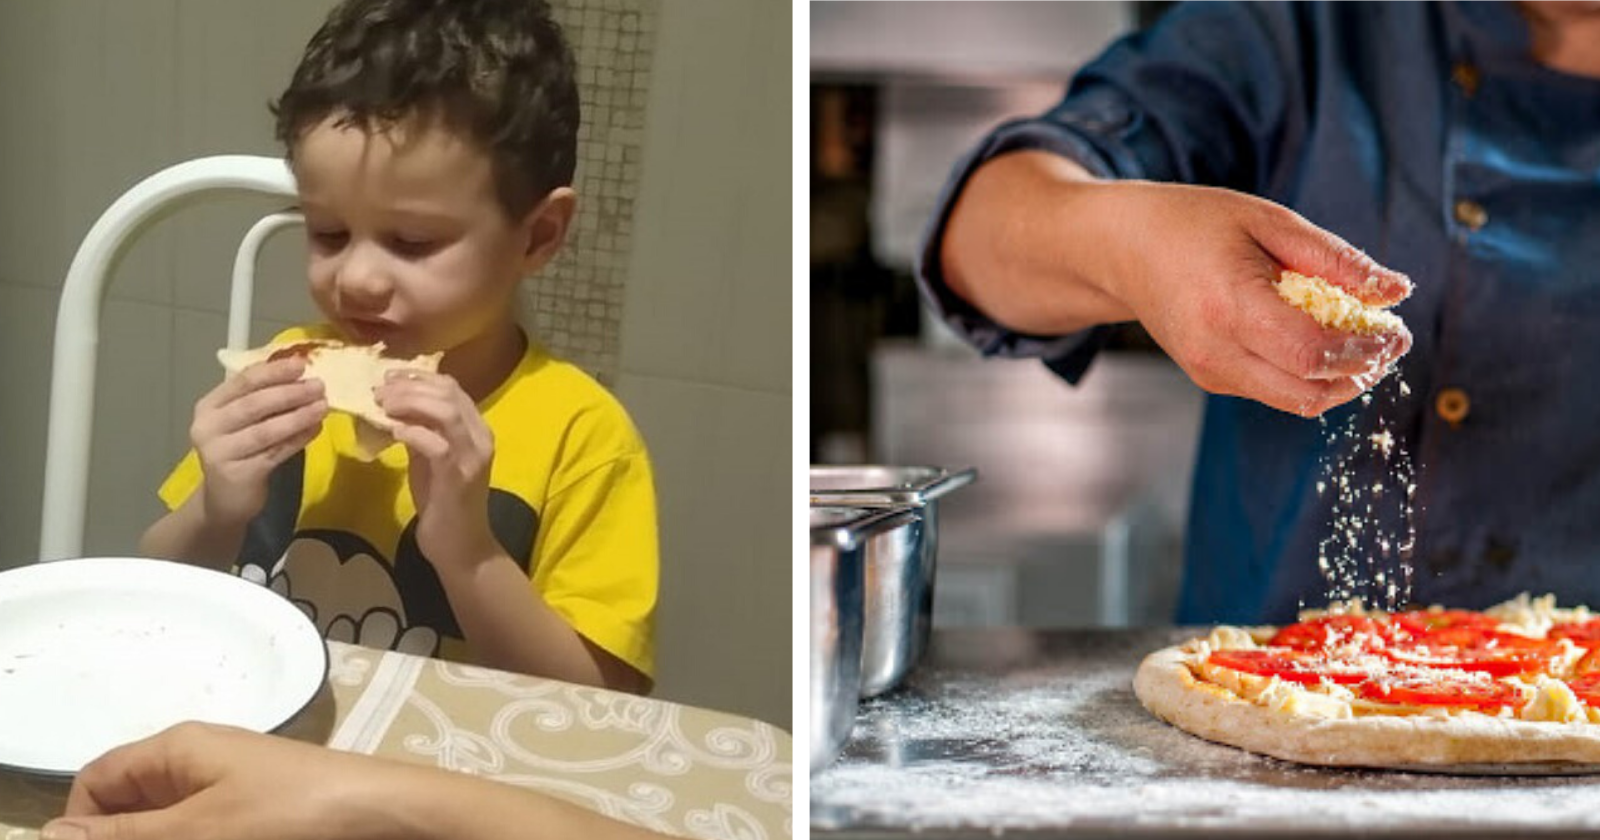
column 206, row 782
column 1042, row 247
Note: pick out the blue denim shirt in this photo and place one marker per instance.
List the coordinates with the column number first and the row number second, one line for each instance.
column 1389, row 124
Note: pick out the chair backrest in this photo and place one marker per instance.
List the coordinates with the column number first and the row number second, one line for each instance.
column 72, row 372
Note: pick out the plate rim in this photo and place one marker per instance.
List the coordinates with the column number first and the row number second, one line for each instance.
column 54, row 774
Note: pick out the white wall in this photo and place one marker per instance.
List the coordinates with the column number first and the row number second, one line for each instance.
column 961, row 39
column 98, row 93
column 706, row 347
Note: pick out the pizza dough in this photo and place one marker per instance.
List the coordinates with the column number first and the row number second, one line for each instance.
column 1549, row 730
column 349, row 373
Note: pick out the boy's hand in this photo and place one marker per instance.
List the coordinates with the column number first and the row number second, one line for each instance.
column 246, row 427
column 451, row 450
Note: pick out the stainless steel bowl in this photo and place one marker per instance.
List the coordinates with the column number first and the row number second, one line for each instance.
column 839, row 537
column 900, row 565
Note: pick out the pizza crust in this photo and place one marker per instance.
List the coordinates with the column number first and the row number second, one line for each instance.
column 1466, row 741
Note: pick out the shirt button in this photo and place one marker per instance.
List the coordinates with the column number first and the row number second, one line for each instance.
column 1452, row 405
column 1471, row 214
column 1465, row 77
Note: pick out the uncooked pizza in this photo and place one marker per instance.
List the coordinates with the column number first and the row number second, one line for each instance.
column 1515, row 688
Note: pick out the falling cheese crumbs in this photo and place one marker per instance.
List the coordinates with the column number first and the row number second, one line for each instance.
column 1334, row 307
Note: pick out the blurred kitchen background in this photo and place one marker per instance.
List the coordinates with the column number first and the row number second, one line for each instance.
column 1077, row 517
column 675, row 291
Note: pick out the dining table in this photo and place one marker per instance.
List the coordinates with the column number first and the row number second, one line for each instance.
column 669, row 767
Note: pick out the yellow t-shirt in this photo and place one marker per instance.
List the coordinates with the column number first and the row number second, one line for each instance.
column 571, row 500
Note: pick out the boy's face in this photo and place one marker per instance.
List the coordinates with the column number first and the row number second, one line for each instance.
column 408, row 243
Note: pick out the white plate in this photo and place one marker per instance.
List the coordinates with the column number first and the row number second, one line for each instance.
column 103, row 651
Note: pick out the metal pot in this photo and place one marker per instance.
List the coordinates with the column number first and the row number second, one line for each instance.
column 839, row 537
column 900, row 565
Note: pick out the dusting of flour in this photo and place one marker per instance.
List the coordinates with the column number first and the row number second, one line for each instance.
column 1069, row 746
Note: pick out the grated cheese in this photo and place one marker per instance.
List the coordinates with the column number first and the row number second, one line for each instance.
column 1335, row 308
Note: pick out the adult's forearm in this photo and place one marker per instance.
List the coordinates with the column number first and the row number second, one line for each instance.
column 437, row 805
column 198, row 780
column 1034, row 242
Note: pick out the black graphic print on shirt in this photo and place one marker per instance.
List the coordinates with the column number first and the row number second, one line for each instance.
column 351, row 592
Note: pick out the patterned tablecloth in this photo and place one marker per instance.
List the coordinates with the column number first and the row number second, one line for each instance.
column 672, row 768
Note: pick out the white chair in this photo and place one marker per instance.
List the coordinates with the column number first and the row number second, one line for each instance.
column 72, row 373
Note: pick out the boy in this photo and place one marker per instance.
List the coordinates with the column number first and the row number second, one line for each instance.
column 434, row 143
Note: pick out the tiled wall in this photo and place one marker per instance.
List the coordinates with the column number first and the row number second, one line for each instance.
column 675, row 291
column 576, row 306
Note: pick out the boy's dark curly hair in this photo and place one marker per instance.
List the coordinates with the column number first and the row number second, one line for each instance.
column 498, row 71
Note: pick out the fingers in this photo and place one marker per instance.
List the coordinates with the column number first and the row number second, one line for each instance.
column 433, row 403
column 1252, row 377
column 1301, row 397
column 1305, row 248
column 274, row 438
column 255, row 378
column 411, row 400
column 259, row 410
column 276, row 454
column 139, row 776
column 138, row 791
column 165, row 824
column 273, row 401
column 425, row 442
column 1294, row 342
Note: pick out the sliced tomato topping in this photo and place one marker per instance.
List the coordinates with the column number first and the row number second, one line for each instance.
column 1467, row 637
column 1587, row 687
column 1333, row 630
column 1582, row 633
column 1588, row 663
column 1475, row 649
column 1493, row 663
column 1419, row 622
column 1483, row 696
column 1290, row 665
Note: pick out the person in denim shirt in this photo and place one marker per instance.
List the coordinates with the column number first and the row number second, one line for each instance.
column 1456, row 145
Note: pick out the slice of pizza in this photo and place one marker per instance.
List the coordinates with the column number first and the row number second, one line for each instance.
column 1511, row 689
column 349, row 374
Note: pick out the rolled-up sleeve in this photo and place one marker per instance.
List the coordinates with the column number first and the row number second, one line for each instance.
column 1211, row 95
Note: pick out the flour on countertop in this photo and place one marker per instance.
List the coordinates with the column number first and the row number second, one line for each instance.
column 1071, row 746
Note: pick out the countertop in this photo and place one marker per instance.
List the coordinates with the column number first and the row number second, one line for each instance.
column 1039, row 733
